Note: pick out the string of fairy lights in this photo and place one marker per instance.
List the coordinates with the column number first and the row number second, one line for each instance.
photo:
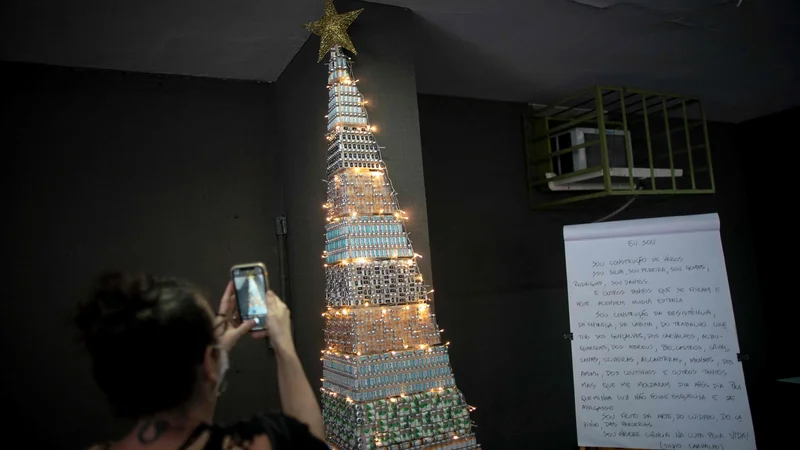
column 383, row 345
column 399, row 213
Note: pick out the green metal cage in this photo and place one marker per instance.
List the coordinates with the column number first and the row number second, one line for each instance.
column 608, row 141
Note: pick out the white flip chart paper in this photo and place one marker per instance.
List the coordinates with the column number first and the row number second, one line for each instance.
column 654, row 349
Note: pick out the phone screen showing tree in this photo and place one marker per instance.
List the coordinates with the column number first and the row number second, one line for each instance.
column 251, row 293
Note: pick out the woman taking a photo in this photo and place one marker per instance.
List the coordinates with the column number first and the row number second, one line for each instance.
column 160, row 353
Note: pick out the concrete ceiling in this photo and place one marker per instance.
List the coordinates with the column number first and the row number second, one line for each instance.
column 743, row 61
column 236, row 39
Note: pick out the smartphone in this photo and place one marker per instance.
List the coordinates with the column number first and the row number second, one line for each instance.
column 251, row 284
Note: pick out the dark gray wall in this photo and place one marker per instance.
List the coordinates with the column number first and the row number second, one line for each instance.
column 113, row 170
column 385, row 68
column 500, row 278
column 770, row 194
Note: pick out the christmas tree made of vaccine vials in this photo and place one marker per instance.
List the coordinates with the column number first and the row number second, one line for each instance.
column 387, row 381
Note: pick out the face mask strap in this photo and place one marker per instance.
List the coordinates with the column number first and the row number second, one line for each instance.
column 224, row 365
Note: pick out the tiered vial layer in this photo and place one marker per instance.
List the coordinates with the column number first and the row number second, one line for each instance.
column 378, row 329
column 387, row 381
column 433, row 419
column 352, row 147
column 379, row 282
column 371, row 377
column 366, row 237
column 350, row 140
column 345, row 106
column 359, row 191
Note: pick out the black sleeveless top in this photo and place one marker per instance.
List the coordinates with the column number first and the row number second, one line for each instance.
column 284, row 433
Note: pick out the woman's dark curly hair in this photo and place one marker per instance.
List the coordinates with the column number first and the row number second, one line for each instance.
column 147, row 338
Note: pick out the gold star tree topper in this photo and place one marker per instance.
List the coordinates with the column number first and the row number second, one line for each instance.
column 332, row 27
